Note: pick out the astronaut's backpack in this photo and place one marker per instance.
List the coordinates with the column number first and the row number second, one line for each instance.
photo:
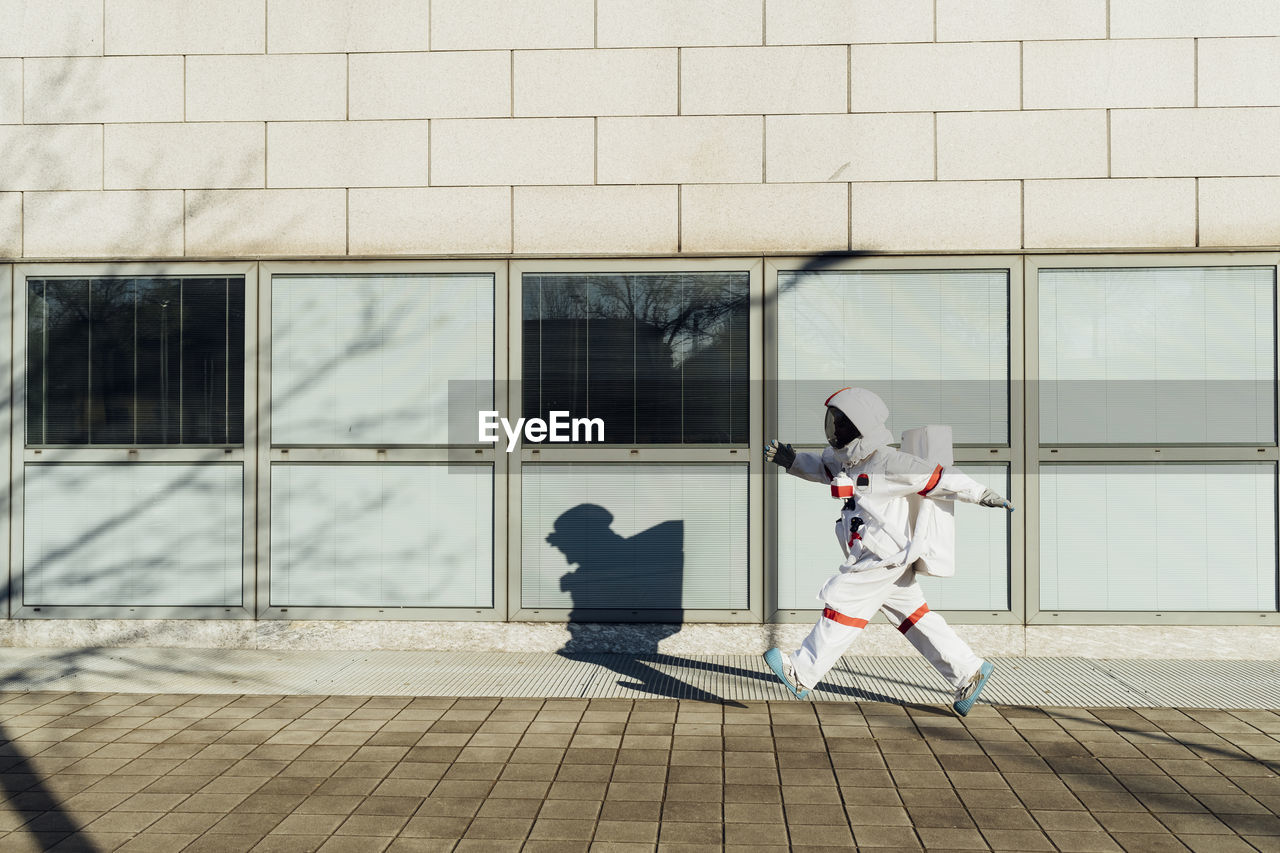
column 933, row 522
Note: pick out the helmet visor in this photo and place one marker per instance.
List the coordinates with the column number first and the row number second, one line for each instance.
column 839, row 429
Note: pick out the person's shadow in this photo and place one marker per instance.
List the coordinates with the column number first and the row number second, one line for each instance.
column 642, row 573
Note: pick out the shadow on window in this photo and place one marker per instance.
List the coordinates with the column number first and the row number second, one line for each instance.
column 642, row 573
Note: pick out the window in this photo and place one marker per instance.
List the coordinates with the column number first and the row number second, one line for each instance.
column 934, row 344
column 380, row 359
column 1172, row 355
column 377, row 374
column 135, row 361
column 808, row 551
column 381, row 536
column 633, row 537
column 653, row 523
column 134, row 535
column 1173, row 360
column 661, row 358
column 130, row 481
column 1158, row 537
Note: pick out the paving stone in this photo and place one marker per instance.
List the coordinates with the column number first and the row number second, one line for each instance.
column 692, row 812
column 1049, row 799
column 749, row 834
column 628, row 810
column 519, row 808
column 1253, row 824
column 436, row 827
column 1017, row 840
column 886, row 836
column 1148, row 843
column 632, row 831
column 1076, row 821
column 950, row 818
column 826, row 836
column 1003, row 819
column 951, row 839
column 1115, row 822
column 682, row 832
column 989, row 798
column 1230, row 804
column 1217, row 844
column 563, row 830
column 1082, row 842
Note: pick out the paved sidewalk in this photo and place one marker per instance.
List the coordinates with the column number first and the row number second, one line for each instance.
column 1076, row 682
column 226, row 773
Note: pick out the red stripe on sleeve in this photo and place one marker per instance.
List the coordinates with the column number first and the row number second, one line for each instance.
column 911, row 620
column 933, row 481
column 836, row 616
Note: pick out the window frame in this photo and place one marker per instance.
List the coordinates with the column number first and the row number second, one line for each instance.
column 751, row 452
column 1096, row 454
column 143, row 454
column 8, row 355
column 1009, row 454
column 269, row 453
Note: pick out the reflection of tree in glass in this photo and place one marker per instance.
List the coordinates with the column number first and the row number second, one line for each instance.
column 662, row 358
column 135, row 361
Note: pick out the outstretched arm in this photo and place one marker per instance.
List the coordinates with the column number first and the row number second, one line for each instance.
column 907, row 474
column 993, row 500
column 806, row 466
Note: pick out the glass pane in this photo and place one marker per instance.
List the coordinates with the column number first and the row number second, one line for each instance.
column 633, row 537
column 934, row 344
column 204, row 361
column 159, row 359
column 808, row 552
column 234, row 418
column 37, row 315
column 381, row 536
column 1158, row 537
column 379, row 359
column 660, row 358
column 65, row 384
column 133, row 535
column 135, row 361
column 1157, row 356
column 112, row 347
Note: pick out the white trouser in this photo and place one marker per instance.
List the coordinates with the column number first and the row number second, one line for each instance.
column 852, row 598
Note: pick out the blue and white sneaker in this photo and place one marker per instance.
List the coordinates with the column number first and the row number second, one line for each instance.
column 967, row 695
column 786, row 673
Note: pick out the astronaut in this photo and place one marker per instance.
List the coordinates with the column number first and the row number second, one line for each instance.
column 875, row 532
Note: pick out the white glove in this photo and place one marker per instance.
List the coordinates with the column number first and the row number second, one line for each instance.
column 779, row 454
column 991, row 499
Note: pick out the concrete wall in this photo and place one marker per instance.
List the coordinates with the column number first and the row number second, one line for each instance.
column 1206, row 642
column 236, row 128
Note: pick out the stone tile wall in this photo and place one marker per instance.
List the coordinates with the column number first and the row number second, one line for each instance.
column 282, row 128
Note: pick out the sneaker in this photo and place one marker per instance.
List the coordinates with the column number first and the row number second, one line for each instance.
column 967, row 695
column 786, row 673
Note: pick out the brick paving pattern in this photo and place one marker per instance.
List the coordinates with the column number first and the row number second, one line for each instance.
column 132, row 772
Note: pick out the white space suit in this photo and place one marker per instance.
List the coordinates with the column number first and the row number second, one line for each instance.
column 875, row 533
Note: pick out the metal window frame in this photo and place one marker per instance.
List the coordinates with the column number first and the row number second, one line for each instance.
column 1023, row 455
column 1036, row 453
column 641, row 454
column 1010, row 454
column 269, row 454
column 8, row 354
column 20, row 455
